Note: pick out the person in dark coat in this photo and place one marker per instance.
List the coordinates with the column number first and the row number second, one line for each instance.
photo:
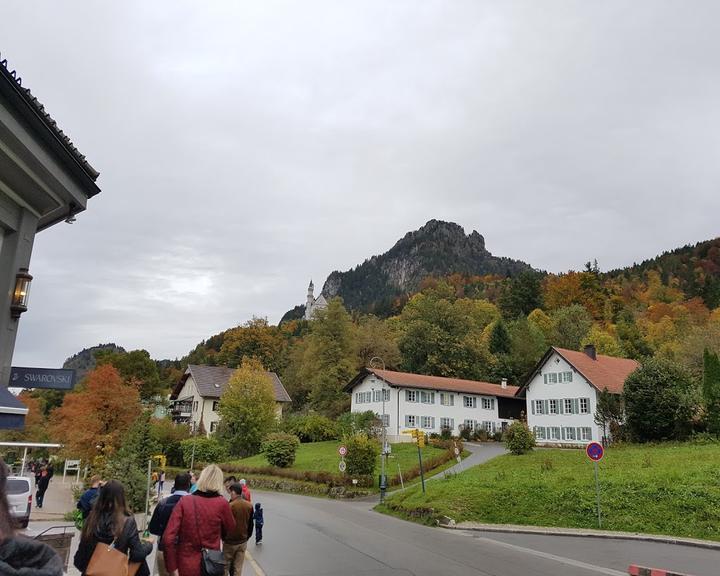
column 111, row 521
column 259, row 522
column 161, row 517
column 198, row 521
column 18, row 555
column 41, row 487
column 88, row 497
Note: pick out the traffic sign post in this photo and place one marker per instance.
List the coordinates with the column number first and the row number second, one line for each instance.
column 342, row 450
column 595, row 452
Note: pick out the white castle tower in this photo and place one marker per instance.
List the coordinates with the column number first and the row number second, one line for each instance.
column 313, row 304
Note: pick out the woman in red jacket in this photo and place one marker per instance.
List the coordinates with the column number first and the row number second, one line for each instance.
column 198, row 521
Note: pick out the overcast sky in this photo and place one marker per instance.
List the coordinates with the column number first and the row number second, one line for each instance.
column 244, row 147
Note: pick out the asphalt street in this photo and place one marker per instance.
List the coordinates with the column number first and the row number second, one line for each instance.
column 310, row 536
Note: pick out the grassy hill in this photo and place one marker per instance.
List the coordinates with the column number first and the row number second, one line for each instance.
column 669, row 489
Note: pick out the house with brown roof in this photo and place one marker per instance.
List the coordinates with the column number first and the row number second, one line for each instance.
column 561, row 393
column 405, row 401
column 196, row 396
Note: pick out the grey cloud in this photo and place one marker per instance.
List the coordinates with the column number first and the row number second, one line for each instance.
column 246, row 147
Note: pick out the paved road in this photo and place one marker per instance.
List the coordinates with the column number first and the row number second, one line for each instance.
column 308, row 536
column 479, row 454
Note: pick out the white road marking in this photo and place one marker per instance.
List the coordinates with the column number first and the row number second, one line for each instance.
column 255, row 566
column 548, row 556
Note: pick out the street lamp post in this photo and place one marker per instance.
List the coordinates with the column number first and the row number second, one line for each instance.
column 383, row 453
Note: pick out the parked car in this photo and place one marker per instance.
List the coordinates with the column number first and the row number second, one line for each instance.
column 19, row 495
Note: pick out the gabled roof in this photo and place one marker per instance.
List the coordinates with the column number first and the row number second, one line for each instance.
column 34, row 113
column 602, row 372
column 409, row 380
column 212, row 380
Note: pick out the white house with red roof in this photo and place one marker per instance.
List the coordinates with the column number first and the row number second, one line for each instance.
column 561, row 394
column 432, row 403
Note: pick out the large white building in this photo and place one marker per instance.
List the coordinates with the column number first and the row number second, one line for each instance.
column 562, row 394
column 197, row 395
column 432, row 403
column 312, row 304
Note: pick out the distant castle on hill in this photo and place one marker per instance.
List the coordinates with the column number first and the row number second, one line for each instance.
column 313, row 304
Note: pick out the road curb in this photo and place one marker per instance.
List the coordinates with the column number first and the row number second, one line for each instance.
column 580, row 533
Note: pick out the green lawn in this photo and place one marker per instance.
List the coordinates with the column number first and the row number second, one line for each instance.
column 323, row 457
column 664, row 489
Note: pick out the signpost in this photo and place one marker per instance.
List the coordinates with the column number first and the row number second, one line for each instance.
column 595, row 452
column 47, row 378
column 342, row 450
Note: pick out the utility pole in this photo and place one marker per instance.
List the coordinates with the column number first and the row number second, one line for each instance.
column 383, row 453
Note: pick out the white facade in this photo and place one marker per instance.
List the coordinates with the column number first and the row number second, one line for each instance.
column 312, row 304
column 204, row 409
column 561, row 405
column 406, row 408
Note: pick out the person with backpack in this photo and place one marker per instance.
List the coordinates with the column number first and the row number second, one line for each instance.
column 259, row 523
column 111, row 528
column 89, row 496
column 161, row 517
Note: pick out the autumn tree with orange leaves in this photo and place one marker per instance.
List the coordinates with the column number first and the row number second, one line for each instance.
column 99, row 414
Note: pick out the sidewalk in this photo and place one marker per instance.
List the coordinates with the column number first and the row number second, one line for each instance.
column 58, row 501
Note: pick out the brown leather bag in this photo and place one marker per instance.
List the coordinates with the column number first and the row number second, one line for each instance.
column 108, row 561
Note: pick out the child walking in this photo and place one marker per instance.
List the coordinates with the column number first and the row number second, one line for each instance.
column 259, row 521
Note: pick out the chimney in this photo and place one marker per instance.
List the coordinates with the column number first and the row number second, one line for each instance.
column 590, row 351
column 503, row 382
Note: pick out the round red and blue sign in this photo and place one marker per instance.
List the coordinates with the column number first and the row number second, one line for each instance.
column 595, row 451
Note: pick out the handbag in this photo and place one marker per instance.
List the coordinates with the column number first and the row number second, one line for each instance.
column 107, row 560
column 212, row 562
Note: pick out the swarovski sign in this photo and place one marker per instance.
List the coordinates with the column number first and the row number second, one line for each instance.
column 50, row 378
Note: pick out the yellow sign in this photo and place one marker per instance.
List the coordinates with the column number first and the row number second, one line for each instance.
column 419, row 436
column 162, row 460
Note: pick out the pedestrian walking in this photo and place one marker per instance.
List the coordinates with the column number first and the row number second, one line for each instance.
column 235, row 542
column 161, row 517
column 161, row 483
column 197, row 522
column 21, row 556
column 229, row 481
column 259, row 523
column 246, row 490
column 41, row 487
column 111, row 522
column 88, row 497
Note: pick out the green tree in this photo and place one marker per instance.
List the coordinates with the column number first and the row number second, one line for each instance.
column 522, row 295
column 658, row 400
column 168, row 437
column 711, row 391
column 254, row 339
column 518, row 438
column 247, row 409
column 609, row 413
column 137, row 369
column 376, row 338
column 572, row 323
column 362, row 453
column 329, row 360
column 130, row 463
column 499, row 341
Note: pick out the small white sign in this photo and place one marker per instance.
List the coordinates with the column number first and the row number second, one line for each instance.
column 457, row 451
column 342, row 450
column 342, row 466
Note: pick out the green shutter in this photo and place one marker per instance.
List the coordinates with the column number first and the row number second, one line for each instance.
column 545, row 407
column 576, row 405
column 532, row 406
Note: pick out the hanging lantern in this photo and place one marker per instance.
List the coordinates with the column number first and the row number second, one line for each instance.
column 22, row 292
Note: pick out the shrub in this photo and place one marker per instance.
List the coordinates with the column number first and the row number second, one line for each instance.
column 480, row 435
column 207, row 450
column 658, row 402
column 362, row 454
column 519, row 439
column 311, row 427
column 466, row 434
column 280, row 448
column 446, row 433
column 357, row 422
